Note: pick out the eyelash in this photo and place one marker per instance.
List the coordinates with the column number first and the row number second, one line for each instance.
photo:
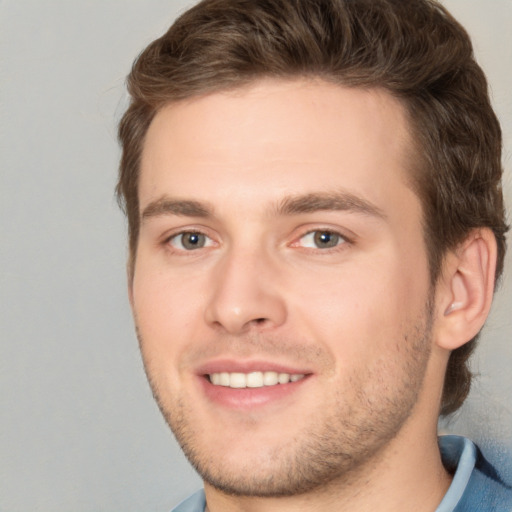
column 176, row 236
column 341, row 241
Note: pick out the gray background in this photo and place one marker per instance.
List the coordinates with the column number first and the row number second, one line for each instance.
column 79, row 430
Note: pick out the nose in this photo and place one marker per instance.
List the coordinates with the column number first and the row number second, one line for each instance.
column 245, row 293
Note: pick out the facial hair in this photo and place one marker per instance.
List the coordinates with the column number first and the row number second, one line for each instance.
column 333, row 447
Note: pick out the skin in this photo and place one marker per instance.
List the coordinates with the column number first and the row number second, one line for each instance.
column 256, row 171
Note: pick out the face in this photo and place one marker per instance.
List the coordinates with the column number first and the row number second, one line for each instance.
column 281, row 288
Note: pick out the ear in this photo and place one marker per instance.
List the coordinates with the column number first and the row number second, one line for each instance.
column 465, row 289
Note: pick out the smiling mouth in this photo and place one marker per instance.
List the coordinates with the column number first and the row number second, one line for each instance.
column 238, row 380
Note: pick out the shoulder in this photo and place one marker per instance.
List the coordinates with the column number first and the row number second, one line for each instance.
column 194, row 503
column 477, row 483
column 486, row 491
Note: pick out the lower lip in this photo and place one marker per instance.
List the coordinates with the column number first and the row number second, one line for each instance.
column 248, row 398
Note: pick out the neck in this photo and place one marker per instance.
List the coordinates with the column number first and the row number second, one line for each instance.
column 407, row 475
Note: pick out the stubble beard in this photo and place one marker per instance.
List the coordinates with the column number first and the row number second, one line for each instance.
column 334, row 448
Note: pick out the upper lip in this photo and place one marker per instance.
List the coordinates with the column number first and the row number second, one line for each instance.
column 241, row 366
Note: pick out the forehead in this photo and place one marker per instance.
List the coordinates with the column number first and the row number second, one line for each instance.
column 281, row 133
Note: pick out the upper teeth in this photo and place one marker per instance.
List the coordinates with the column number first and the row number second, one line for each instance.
column 253, row 379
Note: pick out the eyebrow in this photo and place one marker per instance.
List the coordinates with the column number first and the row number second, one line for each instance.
column 293, row 205
column 322, row 201
column 182, row 208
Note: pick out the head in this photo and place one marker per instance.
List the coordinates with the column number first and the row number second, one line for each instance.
column 243, row 260
column 414, row 50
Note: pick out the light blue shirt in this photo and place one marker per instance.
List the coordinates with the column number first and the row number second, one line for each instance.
column 464, row 451
column 476, row 486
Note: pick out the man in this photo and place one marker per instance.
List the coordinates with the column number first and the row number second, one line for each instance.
column 316, row 228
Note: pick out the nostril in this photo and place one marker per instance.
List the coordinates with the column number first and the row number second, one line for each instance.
column 258, row 321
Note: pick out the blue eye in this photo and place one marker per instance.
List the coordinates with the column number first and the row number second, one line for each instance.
column 190, row 240
column 321, row 239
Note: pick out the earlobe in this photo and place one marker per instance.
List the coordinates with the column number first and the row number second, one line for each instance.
column 465, row 290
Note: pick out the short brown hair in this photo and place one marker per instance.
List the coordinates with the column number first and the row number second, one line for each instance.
column 414, row 49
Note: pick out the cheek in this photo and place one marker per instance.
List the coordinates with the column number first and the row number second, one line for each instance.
column 361, row 313
column 167, row 315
